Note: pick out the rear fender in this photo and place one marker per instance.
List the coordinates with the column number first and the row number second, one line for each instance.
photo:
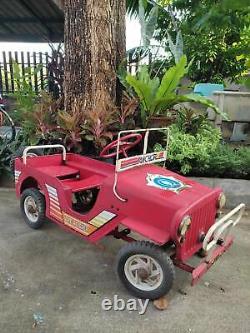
column 24, row 178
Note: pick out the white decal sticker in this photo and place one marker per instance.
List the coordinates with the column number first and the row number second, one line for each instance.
column 166, row 183
column 17, row 175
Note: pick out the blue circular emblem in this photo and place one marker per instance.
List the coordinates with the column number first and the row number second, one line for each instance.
column 167, row 183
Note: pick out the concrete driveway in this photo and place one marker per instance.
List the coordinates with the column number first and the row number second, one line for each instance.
column 52, row 281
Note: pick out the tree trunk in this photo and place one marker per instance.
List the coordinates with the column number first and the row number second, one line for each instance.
column 94, row 47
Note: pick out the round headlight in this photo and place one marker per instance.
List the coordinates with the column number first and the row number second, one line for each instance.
column 184, row 226
column 221, row 201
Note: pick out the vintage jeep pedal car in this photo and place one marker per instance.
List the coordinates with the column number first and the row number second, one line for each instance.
column 176, row 217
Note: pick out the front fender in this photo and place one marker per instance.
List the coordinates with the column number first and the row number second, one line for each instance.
column 149, row 231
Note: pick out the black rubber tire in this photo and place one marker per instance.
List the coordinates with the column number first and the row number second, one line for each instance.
column 201, row 253
column 40, row 202
column 19, row 153
column 150, row 249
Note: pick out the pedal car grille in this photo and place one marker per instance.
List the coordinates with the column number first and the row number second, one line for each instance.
column 202, row 219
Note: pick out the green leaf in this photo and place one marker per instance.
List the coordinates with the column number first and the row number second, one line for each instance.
column 150, row 25
column 172, row 77
column 144, row 93
column 142, row 90
column 133, row 7
column 143, row 74
column 160, row 105
column 153, row 84
column 202, row 100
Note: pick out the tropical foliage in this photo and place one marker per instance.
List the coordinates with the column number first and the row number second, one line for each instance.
column 215, row 37
column 225, row 162
column 211, row 34
column 7, row 150
column 3, row 156
column 214, row 34
column 189, row 146
column 158, row 97
column 69, row 125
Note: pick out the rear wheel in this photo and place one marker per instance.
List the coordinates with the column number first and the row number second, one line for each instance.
column 145, row 270
column 32, row 205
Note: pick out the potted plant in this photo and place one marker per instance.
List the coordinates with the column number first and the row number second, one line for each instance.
column 158, row 98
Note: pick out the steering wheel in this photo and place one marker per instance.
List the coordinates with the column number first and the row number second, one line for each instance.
column 126, row 143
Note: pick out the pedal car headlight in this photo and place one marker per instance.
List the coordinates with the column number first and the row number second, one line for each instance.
column 184, row 226
column 221, row 201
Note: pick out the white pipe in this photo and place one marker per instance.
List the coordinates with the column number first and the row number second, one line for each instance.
column 27, row 149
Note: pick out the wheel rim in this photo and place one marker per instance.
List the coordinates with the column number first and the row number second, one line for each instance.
column 31, row 209
column 143, row 272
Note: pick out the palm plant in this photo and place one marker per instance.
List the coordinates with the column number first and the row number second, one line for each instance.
column 148, row 16
column 158, row 97
column 133, row 6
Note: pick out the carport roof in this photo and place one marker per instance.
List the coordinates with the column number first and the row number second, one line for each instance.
column 31, row 21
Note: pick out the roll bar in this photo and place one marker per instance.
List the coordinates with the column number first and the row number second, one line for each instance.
column 27, row 149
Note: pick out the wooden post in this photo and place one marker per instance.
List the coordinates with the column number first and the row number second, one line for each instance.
column 29, row 65
column 17, row 62
column 5, row 68
column 35, row 72
column 1, row 80
column 22, row 65
column 11, row 73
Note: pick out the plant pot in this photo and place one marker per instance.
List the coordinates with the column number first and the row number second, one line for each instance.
column 161, row 121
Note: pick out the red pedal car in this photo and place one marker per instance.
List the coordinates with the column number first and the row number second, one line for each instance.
column 173, row 217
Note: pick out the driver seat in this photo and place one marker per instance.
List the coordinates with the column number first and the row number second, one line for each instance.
column 78, row 185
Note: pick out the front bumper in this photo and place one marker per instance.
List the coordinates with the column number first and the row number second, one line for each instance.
column 217, row 241
column 219, row 231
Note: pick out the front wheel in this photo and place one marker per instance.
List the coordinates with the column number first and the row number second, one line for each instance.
column 145, row 270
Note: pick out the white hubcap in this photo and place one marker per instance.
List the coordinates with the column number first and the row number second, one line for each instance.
column 31, row 209
column 143, row 272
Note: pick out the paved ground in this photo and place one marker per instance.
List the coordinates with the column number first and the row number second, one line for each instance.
column 59, row 281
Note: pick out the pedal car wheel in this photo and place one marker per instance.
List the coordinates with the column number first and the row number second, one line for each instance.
column 33, row 207
column 145, row 270
column 201, row 253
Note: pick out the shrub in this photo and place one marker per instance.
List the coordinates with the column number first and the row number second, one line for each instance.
column 188, row 149
column 5, row 156
column 197, row 151
column 226, row 162
column 7, row 150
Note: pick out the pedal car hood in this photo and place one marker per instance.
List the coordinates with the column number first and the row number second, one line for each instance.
column 158, row 199
column 161, row 185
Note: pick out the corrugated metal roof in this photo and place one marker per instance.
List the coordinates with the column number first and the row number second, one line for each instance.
column 31, row 21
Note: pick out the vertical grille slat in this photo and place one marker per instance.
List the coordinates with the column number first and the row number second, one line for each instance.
column 203, row 217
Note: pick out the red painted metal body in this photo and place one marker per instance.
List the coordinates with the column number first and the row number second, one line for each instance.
column 149, row 211
column 203, row 267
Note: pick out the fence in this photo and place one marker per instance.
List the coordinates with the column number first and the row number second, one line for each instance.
column 41, row 70
column 32, row 66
